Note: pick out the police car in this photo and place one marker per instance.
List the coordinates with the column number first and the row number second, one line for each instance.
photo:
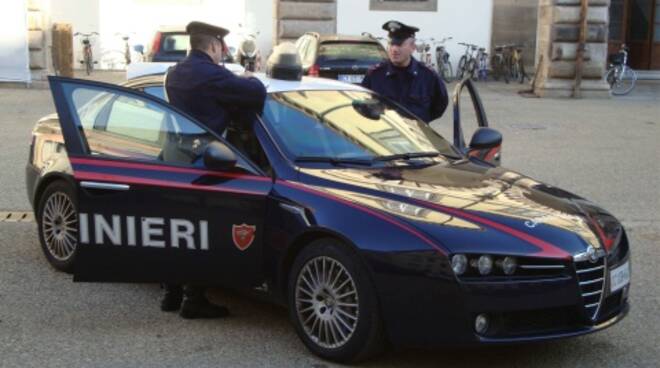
column 367, row 224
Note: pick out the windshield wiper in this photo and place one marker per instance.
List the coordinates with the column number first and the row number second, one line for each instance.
column 407, row 156
column 335, row 160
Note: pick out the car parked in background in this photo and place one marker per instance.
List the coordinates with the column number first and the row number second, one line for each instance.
column 171, row 44
column 346, row 58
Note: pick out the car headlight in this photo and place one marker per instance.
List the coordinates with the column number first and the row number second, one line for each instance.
column 459, row 264
column 485, row 265
column 509, row 265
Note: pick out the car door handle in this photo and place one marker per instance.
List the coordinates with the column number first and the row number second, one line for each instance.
column 106, row 186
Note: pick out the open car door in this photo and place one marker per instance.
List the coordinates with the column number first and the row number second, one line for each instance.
column 486, row 143
column 149, row 208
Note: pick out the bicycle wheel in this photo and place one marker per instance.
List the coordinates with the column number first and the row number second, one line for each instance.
column 448, row 73
column 460, row 70
column 88, row 64
column 471, row 69
column 622, row 81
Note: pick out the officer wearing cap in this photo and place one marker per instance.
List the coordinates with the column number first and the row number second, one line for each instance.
column 405, row 80
column 206, row 90
column 215, row 96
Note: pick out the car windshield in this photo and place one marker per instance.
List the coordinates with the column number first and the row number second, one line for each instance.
column 345, row 126
column 351, row 51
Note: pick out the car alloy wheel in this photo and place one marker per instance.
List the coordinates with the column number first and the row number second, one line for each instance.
column 59, row 223
column 327, row 302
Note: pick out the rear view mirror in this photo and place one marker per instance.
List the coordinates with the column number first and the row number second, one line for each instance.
column 218, row 156
column 486, row 145
column 139, row 49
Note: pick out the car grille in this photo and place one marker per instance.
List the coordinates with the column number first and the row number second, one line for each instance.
column 591, row 278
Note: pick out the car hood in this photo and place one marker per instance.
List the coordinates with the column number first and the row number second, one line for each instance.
column 471, row 208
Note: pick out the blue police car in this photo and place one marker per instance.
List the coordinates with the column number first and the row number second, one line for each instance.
column 335, row 202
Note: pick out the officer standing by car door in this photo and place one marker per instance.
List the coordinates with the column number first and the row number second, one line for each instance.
column 215, row 96
column 405, row 80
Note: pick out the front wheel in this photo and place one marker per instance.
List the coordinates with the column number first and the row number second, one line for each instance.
column 57, row 220
column 460, row 70
column 621, row 80
column 333, row 303
column 447, row 72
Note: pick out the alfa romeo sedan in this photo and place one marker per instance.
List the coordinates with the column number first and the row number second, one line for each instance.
column 370, row 227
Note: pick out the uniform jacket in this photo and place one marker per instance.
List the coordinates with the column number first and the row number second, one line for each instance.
column 417, row 88
column 211, row 93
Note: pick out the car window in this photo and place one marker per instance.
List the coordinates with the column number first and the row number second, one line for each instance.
column 130, row 126
column 364, row 51
column 173, row 42
column 347, row 124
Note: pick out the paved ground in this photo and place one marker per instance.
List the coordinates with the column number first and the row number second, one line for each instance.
column 605, row 150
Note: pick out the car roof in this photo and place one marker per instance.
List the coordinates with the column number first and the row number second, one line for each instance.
column 347, row 38
column 172, row 29
column 272, row 85
column 156, row 75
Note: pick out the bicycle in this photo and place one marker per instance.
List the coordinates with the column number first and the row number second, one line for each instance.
column 482, row 65
column 88, row 57
column 127, row 47
column 424, row 50
column 467, row 63
column 498, row 64
column 619, row 75
column 444, row 67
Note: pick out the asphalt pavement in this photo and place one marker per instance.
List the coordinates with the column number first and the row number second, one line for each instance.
column 605, row 150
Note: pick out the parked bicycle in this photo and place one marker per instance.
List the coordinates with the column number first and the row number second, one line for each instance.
column 467, row 65
column 424, row 51
column 482, row 65
column 88, row 56
column 620, row 76
column 443, row 65
column 499, row 64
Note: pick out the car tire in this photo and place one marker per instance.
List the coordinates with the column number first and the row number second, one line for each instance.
column 337, row 320
column 57, row 222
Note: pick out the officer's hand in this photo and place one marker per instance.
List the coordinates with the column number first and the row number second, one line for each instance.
column 247, row 74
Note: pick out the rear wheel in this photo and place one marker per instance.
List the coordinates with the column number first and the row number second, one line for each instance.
column 57, row 219
column 333, row 304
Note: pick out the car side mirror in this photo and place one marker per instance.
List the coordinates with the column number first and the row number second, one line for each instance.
column 486, row 145
column 218, row 156
column 139, row 49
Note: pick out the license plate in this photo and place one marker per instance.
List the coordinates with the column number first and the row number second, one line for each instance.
column 351, row 78
column 620, row 277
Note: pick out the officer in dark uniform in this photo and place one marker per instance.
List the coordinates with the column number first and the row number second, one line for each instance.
column 404, row 79
column 206, row 90
column 215, row 96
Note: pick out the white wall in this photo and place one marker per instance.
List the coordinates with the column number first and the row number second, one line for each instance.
column 14, row 57
column 465, row 20
column 141, row 18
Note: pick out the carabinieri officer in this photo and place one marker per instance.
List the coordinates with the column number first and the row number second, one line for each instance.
column 208, row 91
column 405, row 80
column 215, row 96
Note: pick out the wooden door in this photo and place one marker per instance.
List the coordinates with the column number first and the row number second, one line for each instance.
column 640, row 26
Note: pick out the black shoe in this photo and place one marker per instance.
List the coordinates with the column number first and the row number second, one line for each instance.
column 171, row 301
column 202, row 309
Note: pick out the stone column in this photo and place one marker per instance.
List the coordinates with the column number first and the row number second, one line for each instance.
column 38, row 40
column 557, row 45
column 295, row 17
